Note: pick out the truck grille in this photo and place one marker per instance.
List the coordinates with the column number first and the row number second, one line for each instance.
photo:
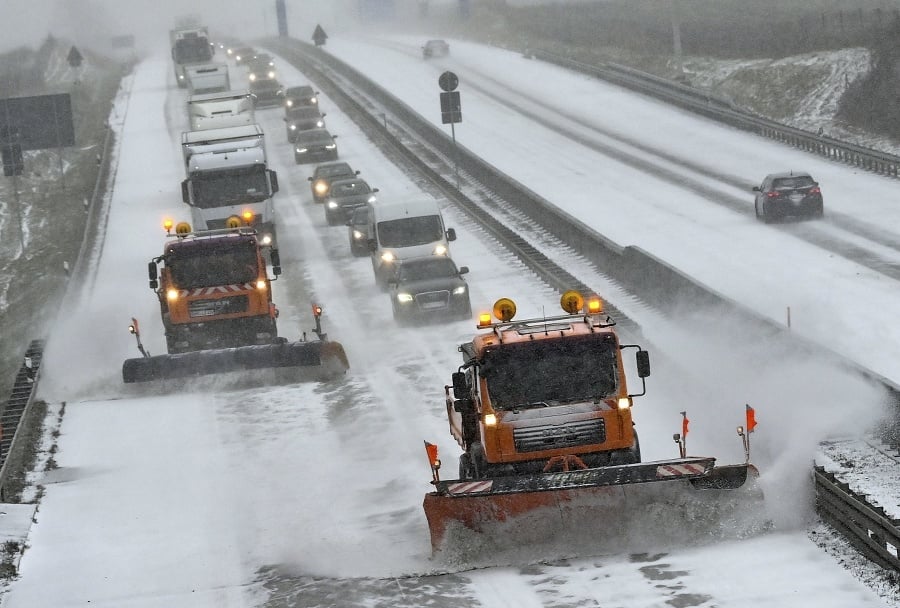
column 221, row 306
column 550, row 437
column 433, row 299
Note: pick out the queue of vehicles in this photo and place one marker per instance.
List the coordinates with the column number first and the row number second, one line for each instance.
column 540, row 407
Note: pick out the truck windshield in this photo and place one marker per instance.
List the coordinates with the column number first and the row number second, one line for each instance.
column 230, row 187
column 192, row 50
column 551, row 371
column 211, row 266
column 410, row 231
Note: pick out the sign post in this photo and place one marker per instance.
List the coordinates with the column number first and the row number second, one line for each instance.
column 451, row 112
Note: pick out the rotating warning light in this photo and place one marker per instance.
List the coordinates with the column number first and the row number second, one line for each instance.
column 504, row 309
column 594, row 305
column 247, row 215
column 167, row 225
column 484, row 319
column 182, row 228
column 317, row 310
column 571, row 302
column 233, row 221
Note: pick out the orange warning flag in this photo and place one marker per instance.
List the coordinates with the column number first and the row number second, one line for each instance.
column 684, row 425
column 751, row 419
column 431, row 450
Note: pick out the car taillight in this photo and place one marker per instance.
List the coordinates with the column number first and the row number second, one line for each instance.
column 815, row 190
column 773, row 194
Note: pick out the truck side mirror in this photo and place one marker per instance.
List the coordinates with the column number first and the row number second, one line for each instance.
column 642, row 357
column 273, row 177
column 460, row 386
column 451, row 234
column 152, row 272
column 185, row 191
column 275, row 257
column 463, row 406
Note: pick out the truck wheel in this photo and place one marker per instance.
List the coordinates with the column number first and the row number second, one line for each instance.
column 465, row 467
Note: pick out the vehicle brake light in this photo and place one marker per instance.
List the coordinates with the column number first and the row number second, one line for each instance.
column 815, row 190
column 773, row 194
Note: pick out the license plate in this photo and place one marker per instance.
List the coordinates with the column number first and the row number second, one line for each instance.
column 797, row 198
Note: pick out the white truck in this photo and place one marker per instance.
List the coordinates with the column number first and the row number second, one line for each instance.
column 190, row 46
column 227, row 176
column 217, row 110
column 207, row 78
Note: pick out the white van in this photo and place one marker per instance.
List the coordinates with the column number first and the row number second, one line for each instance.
column 406, row 229
column 217, row 110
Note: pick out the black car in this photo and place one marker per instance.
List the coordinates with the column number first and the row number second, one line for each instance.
column 303, row 95
column 429, row 286
column 243, row 55
column 435, row 48
column 314, row 145
column 791, row 194
column 266, row 93
column 358, row 231
column 344, row 196
column 261, row 67
column 323, row 175
column 303, row 118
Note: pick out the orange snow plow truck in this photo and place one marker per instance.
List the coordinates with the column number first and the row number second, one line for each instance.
column 215, row 299
column 542, row 411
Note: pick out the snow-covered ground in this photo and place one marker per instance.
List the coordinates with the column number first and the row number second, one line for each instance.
column 311, row 494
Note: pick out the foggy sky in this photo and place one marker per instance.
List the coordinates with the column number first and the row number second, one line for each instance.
column 92, row 23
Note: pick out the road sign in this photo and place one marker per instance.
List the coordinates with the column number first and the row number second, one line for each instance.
column 451, row 107
column 44, row 121
column 448, row 81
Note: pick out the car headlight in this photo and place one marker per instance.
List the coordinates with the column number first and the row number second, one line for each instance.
column 371, row 199
column 271, row 74
column 459, row 290
column 302, row 150
column 237, row 58
column 331, row 146
column 252, row 77
column 440, row 250
column 357, row 235
column 181, row 77
column 333, row 205
column 321, row 187
column 313, row 100
column 320, row 124
column 404, row 298
column 289, row 103
column 293, row 127
column 387, row 257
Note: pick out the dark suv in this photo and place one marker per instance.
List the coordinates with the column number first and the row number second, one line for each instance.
column 323, row 175
column 303, row 118
column 427, row 287
column 791, row 194
column 303, row 95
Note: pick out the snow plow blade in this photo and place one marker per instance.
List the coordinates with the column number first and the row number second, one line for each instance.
column 477, row 504
column 328, row 356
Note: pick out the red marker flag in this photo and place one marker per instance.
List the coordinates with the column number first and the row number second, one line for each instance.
column 431, row 450
column 751, row 419
column 684, row 425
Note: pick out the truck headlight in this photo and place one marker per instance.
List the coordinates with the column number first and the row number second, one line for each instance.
column 301, row 150
column 289, row 103
column 357, row 235
column 387, row 257
column 172, row 295
column 404, row 298
column 266, row 239
column 293, row 127
column 440, row 250
column 331, row 146
column 260, row 284
column 459, row 290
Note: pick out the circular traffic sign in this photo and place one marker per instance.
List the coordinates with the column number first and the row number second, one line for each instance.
column 448, row 81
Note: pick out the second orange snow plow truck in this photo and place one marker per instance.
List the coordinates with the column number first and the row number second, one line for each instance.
column 542, row 411
column 215, row 298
